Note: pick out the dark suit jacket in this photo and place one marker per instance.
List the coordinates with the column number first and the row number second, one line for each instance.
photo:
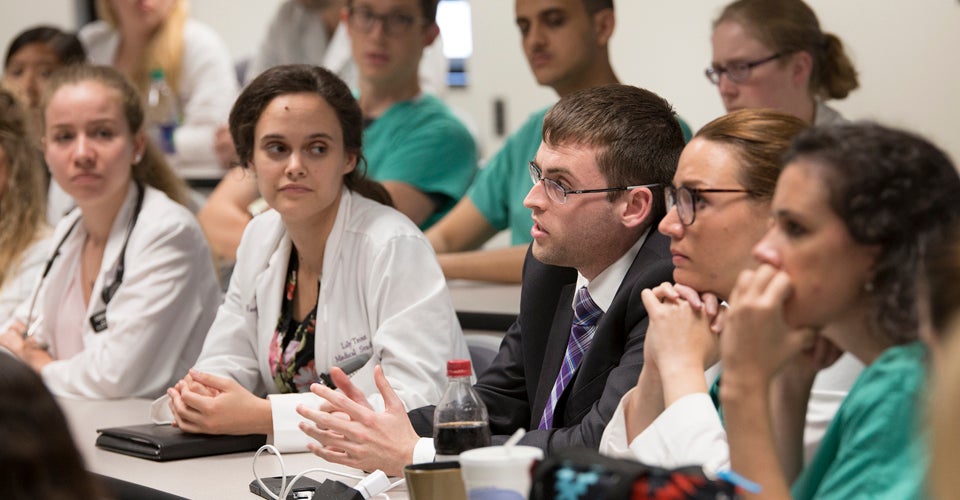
column 516, row 386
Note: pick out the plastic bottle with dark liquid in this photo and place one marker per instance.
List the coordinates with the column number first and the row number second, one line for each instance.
column 460, row 421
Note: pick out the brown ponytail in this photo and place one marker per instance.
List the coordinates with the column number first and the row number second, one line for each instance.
column 837, row 76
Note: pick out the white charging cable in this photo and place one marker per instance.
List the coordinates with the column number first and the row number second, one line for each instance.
column 374, row 484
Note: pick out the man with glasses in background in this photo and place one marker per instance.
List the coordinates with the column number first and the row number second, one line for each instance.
column 423, row 155
column 577, row 344
column 310, row 32
column 414, row 145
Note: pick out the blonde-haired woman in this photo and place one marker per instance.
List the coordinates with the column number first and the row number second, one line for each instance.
column 23, row 232
column 138, row 37
column 128, row 291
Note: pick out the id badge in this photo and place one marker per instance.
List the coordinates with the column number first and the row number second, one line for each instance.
column 99, row 321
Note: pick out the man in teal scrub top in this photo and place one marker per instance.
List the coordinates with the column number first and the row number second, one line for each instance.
column 423, row 155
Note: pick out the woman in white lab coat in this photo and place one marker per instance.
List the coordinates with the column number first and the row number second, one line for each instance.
column 331, row 276
column 129, row 290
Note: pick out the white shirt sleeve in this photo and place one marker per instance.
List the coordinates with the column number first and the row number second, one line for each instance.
column 688, row 432
column 424, row 451
column 614, row 443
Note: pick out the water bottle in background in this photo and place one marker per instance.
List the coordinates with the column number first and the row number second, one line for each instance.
column 460, row 420
column 163, row 113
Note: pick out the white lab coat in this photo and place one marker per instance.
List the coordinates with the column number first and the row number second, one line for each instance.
column 689, row 431
column 158, row 317
column 382, row 293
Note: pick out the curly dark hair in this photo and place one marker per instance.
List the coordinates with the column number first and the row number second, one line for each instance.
column 303, row 78
column 892, row 189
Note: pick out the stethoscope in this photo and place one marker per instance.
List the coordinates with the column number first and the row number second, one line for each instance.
column 98, row 320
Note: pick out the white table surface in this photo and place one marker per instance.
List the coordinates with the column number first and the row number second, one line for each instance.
column 229, row 476
column 215, row 477
column 477, row 296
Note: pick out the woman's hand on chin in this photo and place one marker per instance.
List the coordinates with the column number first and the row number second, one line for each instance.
column 679, row 336
column 757, row 342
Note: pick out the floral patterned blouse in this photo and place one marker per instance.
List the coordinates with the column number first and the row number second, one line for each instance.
column 291, row 349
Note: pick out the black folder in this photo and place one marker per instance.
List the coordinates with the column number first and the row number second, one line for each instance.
column 165, row 442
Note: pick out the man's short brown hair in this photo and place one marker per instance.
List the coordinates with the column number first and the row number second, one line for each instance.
column 636, row 131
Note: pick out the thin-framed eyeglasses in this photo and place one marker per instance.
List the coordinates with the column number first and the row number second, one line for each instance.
column 737, row 71
column 394, row 23
column 686, row 198
column 558, row 193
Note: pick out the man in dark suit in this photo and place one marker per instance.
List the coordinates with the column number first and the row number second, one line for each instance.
column 577, row 344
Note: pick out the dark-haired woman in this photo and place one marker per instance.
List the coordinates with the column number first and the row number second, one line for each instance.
column 854, row 212
column 331, row 275
column 31, row 58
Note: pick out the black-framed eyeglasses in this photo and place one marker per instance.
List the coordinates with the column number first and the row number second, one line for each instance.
column 686, row 198
column 394, row 23
column 737, row 71
column 558, row 193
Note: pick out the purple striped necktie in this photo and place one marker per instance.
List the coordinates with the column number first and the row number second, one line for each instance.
column 586, row 313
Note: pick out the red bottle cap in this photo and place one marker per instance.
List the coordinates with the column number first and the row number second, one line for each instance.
column 458, row 368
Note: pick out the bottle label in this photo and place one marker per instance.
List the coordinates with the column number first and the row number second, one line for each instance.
column 162, row 136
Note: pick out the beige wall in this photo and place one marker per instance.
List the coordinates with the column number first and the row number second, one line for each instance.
column 905, row 51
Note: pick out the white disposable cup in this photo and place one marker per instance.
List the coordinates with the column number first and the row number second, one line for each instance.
column 498, row 472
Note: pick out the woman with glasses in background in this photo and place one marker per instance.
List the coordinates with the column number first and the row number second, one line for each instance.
column 718, row 209
column 772, row 54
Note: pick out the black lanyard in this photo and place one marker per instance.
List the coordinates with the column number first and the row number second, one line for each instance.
column 98, row 320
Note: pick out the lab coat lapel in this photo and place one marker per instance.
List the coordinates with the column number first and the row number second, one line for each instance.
column 269, row 297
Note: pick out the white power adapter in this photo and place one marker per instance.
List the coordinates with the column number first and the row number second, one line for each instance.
column 374, row 484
